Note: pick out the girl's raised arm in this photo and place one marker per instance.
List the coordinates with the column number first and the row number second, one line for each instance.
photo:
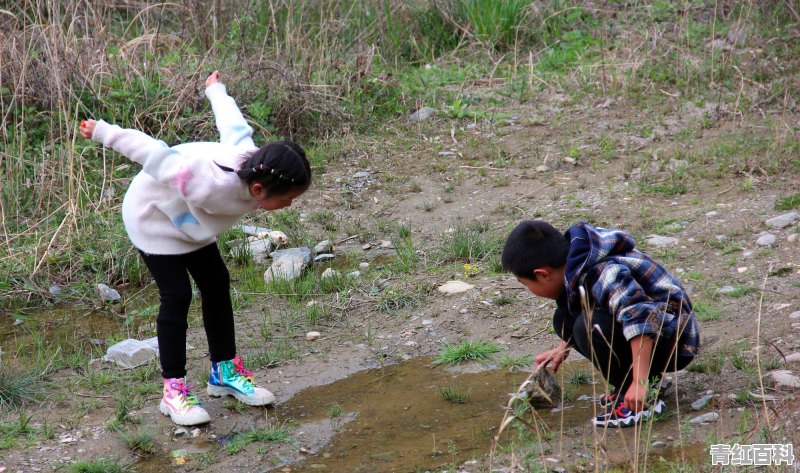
column 233, row 128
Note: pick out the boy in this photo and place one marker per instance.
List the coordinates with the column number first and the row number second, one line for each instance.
column 641, row 319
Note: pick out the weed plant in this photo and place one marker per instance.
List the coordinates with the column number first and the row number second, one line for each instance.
column 264, row 434
column 140, row 441
column 454, row 394
column 468, row 350
column 100, row 465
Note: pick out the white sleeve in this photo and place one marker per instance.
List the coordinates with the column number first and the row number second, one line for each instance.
column 233, row 128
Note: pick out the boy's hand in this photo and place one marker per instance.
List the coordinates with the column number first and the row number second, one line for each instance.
column 636, row 397
column 212, row 79
column 87, row 128
column 556, row 355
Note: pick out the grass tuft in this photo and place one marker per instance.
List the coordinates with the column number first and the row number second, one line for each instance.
column 265, row 434
column 454, row 394
column 468, row 350
column 100, row 465
column 142, row 442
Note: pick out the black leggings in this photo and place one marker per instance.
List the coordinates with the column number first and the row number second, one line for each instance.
column 209, row 272
column 612, row 353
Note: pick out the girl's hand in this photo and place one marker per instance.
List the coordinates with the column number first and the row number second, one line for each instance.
column 87, row 128
column 212, row 79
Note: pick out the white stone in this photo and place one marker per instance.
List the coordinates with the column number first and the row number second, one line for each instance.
column 741, row 269
column 783, row 221
column 254, row 231
column 366, row 246
column 107, row 293
column 793, row 237
column 330, row 273
column 542, row 168
column 260, row 249
column 427, row 323
column 726, row 290
column 661, row 241
column 325, row 246
column 386, row 244
column 785, row 378
column 322, row 257
column 278, row 238
column 363, row 265
column 708, row 417
column 767, row 239
column 713, row 213
column 311, row 336
column 792, row 357
column 795, row 315
column 354, row 274
column 130, row 353
column 701, row 403
column 455, row 287
column 287, row 264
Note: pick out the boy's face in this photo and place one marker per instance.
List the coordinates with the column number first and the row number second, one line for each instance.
column 547, row 282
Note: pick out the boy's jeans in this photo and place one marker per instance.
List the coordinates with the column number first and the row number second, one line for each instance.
column 608, row 349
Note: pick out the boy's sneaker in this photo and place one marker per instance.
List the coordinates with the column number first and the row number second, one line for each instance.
column 620, row 416
column 181, row 405
column 230, row 378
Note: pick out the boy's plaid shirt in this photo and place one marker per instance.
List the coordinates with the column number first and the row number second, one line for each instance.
column 643, row 296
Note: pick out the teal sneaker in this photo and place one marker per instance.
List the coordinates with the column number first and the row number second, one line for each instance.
column 230, row 378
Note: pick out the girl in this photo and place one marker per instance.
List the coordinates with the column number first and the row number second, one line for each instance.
column 173, row 211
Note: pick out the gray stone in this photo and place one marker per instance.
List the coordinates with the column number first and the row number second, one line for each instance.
column 130, row 353
column 17, row 322
column 287, row 264
column 354, row 274
column 387, row 244
column 720, row 44
column 736, row 36
column 543, row 388
column 107, row 293
column 277, row 238
column 785, row 378
column 707, row 417
column 363, row 265
column 783, row 221
column 422, row 114
column 325, row 246
column 304, row 253
column 254, row 231
column 713, row 213
column 701, row 403
column 260, row 249
column 795, row 315
column 321, row 258
column 792, row 237
column 55, row 289
column 766, row 239
column 361, row 175
column 661, row 241
column 792, row 357
column 446, row 153
column 658, row 444
column 726, row 290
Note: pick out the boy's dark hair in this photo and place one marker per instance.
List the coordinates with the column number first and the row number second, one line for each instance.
column 534, row 244
column 279, row 166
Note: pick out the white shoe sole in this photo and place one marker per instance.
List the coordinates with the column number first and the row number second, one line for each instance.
column 201, row 417
column 220, row 391
column 634, row 419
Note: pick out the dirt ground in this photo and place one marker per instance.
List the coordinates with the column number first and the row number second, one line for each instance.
column 557, row 158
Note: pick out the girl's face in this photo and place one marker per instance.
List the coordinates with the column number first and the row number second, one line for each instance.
column 273, row 202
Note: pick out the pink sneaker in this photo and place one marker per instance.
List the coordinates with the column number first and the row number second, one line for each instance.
column 181, row 405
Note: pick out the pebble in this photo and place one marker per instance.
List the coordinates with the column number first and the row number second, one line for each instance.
column 542, row 168
column 701, row 403
column 455, row 287
column 741, row 269
column 726, row 290
column 387, row 244
column 708, row 417
column 354, row 274
column 792, row 357
column 661, row 241
column 767, row 239
column 446, row 153
column 422, row 114
column 366, row 246
column 783, row 221
column 658, row 444
column 463, row 311
column 330, row 273
column 180, row 431
column 361, row 175
column 713, row 213
column 427, row 323
column 107, row 293
column 785, row 378
column 795, row 315
column 363, row 265
column 311, row 336
column 325, row 246
column 196, row 432
column 320, row 258
column 793, row 237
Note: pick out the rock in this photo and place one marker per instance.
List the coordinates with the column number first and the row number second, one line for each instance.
column 707, row 417
column 792, row 357
column 427, row 323
column 387, row 244
column 354, row 274
column 312, row 304
column 260, row 249
column 793, row 237
column 543, row 388
column 55, row 289
column 795, row 315
column 736, row 36
column 363, row 265
column 277, row 237
column 713, row 213
column 726, row 290
column 675, row 164
column 658, row 444
column 330, row 273
column 741, row 269
column 254, row 231
column 720, row 44
column 422, row 114
column 760, row 397
column 180, row 431
column 17, row 322
column 325, row 246
column 107, row 293
column 766, row 239
column 569, row 160
column 196, row 432
column 321, row 258
column 785, row 378
column 446, row 153
column 366, row 246
column 311, row 336
column 287, row 264
column 661, row 241
column 361, row 175
column 542, row 168
column 701, row 403
column 130, row 353
column 455, row 287
column 783, row 221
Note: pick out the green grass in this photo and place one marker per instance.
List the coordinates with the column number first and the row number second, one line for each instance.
column 140, row 441
column 12, row 433
column 516, row 362
column 472, row 242
column 788, row 203
column 707, row 311
column 468, row 350
column 19, row 387
column 101, row 465
column 277, row 352
column 454, row 394
column 264, row 434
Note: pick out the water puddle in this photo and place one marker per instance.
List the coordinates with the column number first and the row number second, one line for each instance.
column 395, row 419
